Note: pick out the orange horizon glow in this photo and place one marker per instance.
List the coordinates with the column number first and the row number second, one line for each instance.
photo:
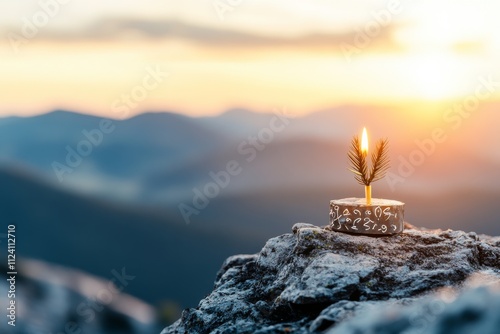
column 202, row 85
column 425, row 58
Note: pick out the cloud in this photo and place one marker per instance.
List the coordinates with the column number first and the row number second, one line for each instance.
column 120, row 29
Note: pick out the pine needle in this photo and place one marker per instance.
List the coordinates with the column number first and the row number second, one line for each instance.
column 358, row 162
column 380, row 162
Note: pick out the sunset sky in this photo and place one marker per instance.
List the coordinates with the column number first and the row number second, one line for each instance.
column 256, row 54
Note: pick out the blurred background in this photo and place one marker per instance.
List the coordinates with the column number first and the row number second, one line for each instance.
column 142, row 143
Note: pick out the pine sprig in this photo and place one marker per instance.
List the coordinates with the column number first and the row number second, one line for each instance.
column 380, row 162
column 358, row 162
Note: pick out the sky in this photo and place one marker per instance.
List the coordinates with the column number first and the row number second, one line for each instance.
column 204, row 57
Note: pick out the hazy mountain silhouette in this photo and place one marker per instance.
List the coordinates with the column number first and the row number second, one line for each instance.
column 136, row 145
column 165, row 155
column 158, row 158
column 97, row 237
column 154, row 150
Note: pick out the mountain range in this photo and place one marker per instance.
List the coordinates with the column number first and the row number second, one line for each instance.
column 120, row 205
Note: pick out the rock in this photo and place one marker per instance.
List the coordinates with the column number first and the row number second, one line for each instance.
column 54, row 299
column 317, row 280
column 474, row 311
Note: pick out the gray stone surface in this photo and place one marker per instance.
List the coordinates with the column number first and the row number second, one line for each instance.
column 475, row 311
column 51, row 299
column 316, row 280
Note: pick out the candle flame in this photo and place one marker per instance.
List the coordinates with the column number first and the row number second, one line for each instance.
column 364, row 142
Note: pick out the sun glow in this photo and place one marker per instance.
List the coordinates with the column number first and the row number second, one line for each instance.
column 442, row 53
column 432, row 53
column 435, row 75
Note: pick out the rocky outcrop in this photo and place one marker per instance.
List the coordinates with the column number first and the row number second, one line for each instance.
column 473, row 311
column 316, row 280
column 54, row 299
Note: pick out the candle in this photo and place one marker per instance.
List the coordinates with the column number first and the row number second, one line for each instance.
column 370, row 216
column 364, row 151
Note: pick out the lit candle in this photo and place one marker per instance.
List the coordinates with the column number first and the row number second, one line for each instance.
column 364, row 150
column 371, row 216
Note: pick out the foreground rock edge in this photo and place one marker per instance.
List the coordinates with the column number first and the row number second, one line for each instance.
column 316, row 279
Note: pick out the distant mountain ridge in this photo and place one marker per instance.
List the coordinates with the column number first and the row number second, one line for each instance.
column 121, row 204
column 160, row 159
column 97, row 237
column 154, row 147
